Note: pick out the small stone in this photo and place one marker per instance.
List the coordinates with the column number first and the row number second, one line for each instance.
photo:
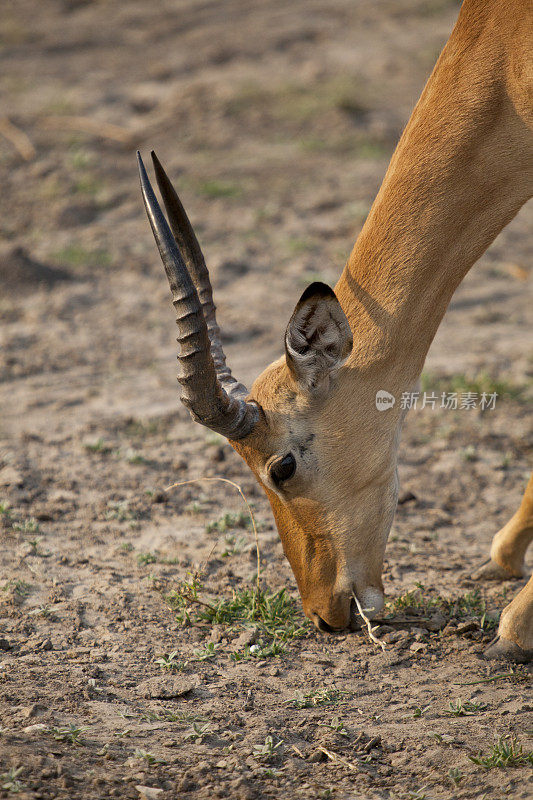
column 418, row 647
column 450, row 629
column 31, row 711
column 392, row 638
column 46, row 644
column 247, row 637
column 436, row 622
column 168, row 687
column 9, row 476
column 5, row 645
column 317, row 757
column 38, row 727
column 222, row 764
column 381, row 630
column 217, row 634
column 466, row 627
column 149, row 792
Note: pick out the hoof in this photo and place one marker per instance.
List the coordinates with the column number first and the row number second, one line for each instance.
column 505, row 649
column 491, row 571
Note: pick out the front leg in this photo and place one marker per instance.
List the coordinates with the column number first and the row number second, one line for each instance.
column 509, row 545
column 515, row 633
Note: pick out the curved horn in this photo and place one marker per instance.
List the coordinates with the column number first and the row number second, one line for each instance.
column 194, row 259
column 202, row 392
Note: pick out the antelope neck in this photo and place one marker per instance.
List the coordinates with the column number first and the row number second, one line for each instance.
column 461, row 171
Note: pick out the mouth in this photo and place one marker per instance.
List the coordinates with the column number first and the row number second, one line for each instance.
column 354, row 622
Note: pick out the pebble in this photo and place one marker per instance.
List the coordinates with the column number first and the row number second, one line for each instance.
column 247, row 637
column 38, row 727
column 149, row 792
column 168, row 687
column 436, row 622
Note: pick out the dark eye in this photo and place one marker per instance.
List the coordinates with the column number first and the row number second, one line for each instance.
column 283, row 468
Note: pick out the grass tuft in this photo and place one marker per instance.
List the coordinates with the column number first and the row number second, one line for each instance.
column 316, row 697
column 506, row 752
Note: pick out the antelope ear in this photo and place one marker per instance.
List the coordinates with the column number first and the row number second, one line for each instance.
column 318, row 338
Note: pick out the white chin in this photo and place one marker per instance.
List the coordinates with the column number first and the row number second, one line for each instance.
column 371, row 601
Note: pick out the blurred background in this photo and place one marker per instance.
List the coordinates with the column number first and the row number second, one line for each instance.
column 276, row 121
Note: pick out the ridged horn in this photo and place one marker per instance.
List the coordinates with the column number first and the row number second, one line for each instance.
column 194, row 259
column 202, row 391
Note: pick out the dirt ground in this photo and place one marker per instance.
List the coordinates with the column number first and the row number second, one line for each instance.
column 276, row 120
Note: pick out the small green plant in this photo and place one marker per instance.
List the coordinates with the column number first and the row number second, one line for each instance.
column 267, row 751
column 338, row 726
column 146, row 558
column 198, row 732
column 119, row 511
column 43, row 610
column 419, row 711
column 422, row 601
column 273, row 650
column 5, row 510
column 170, row 662
column 209, row 651
column 148, row 757
column 18, row 587
column 9, row 780
column 234, row 545
column 506, row 752
column 317, row 697
column 466, row 709
column 194, row 508
column 28, row 526
column 219, row 189
column 70, row 734
column 98, row 446
column 480, row 383
column 274, row 613
column 455, row 775
column 469, row 453
column 132, row 457
column 229, row 521
column 76, row 256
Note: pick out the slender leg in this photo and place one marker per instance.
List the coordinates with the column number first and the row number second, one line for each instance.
column 515, row 634
column 510, row 543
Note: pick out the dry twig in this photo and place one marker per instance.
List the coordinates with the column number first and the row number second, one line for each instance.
column 368, row 623
column 20, row 140
column 337, row 759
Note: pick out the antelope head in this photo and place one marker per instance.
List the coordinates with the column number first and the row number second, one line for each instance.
column 327, row 464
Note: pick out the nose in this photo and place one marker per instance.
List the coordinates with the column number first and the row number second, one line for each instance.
column 324, row 626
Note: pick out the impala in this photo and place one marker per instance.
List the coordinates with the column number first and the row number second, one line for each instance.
column 309, row 428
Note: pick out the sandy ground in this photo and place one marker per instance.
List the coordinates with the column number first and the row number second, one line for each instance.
column 277, row 121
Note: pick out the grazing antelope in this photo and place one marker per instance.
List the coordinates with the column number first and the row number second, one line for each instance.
column 309, row 428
